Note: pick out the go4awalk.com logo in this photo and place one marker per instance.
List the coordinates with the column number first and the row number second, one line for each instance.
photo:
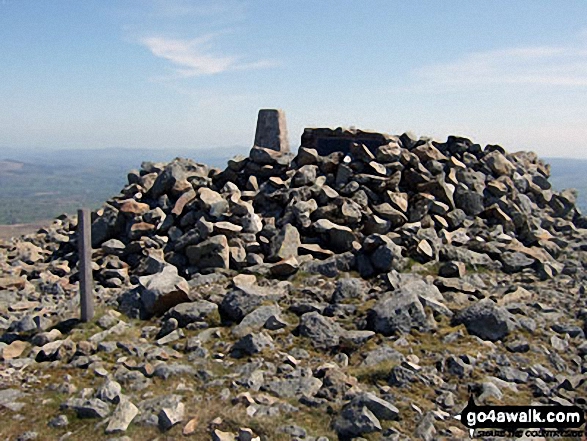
column 518, row 421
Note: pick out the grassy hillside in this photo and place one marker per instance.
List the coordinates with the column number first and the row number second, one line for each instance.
column 38, row 185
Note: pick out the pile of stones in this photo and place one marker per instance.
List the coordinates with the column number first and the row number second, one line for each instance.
column 378, row 279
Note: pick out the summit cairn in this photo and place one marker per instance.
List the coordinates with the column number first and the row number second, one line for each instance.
column 364, row 283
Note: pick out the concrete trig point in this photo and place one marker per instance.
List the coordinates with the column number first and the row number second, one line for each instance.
column 272, row 130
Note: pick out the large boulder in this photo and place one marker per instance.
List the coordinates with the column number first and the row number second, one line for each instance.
column 200, row 311
column 322, row 331
column 355, row 421
column 212, row 253
column 161, row 291
column 486, row 320
column 285, row 244
column 398, row 311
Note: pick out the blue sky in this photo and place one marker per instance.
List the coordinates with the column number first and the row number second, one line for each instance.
column 193, row 74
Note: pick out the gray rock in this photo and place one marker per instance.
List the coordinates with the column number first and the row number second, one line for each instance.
column 380, row 408
column 305, row 175
column 458, row 367
column 355, row 421
column 162, row 291
column 349, row 288
column 425, row 429
column 322, row 332
column 170, row 416
column 9, row 399
column 59, row 421
column 340, row 238
column 398, row 311
column 252, row 344
column 122, row 416
column 401, row 376
column 212, row 253
column 383, row 354
column 168, row 370
column 301, row 384
column 514, row 262
column 452, row 269
column 213, row 202
column 167, row 327
column 387, row 256
column 285, row 244
column 106, row 225
column 27, row 436
column 486, row 320
column 256, row 319
column 91, row 408
column 240, row 302
column 114, row 247
column 25, row 325
column 498, row 163
column 109, row 391
column 512, row 375
column 518, row 346
column 469, row 201
column 200, row 311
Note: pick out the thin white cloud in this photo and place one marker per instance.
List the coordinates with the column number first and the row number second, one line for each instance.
column 194, row 57
column 554, row 66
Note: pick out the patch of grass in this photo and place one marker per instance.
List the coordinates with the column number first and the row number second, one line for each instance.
column 426, row 269
column 373, row 374
column 477, row 269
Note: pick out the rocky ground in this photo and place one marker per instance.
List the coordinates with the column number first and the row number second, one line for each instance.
column 357, row 296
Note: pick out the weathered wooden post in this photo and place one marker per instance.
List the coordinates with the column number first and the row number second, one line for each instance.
column 86, row 288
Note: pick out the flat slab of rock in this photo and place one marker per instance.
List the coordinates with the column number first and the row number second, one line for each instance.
column 92, row 408
column 9, row 399
column 122, row 416
column 199, row 311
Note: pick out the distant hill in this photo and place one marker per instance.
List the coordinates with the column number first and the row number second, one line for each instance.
column 37, row 184
column 41, row 184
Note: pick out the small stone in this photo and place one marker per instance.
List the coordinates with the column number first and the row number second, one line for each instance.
column 452, row 269
column 218, row 435
column 252, row 344
column 170, row 416
column 355, row 421
column 322, row 331
column 59, row 421
column 13, row 350
column 122, row 416
column 92, row 408
column 110, row 391
column 190, row 427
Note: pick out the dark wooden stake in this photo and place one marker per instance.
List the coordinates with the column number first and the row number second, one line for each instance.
column 86, row 280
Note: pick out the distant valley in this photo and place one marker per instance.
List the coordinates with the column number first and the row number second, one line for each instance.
column 39, row 185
